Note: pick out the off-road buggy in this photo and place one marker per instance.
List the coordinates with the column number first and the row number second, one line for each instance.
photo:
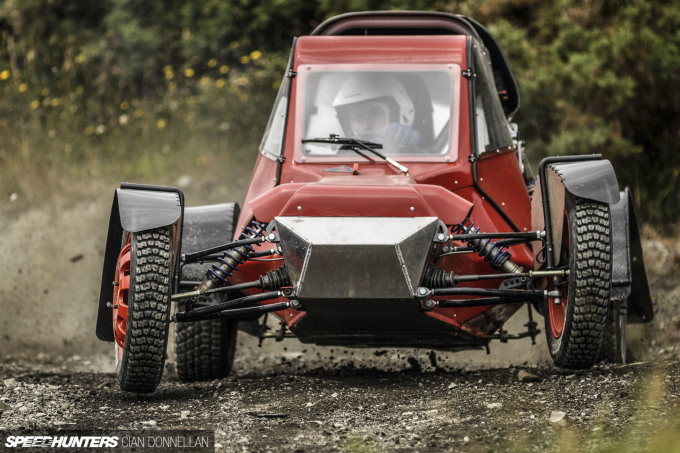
column 391, row 205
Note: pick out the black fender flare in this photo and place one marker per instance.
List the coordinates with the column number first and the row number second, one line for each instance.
column 136, row 207
column 591, row 179
column 588, row 177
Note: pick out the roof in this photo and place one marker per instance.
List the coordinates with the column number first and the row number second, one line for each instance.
column 382, row 50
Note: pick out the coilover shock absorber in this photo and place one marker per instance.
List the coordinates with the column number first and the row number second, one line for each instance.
column 497, row 255
column 230, row 260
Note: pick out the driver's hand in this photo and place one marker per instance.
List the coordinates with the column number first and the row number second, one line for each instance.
column 403, row 137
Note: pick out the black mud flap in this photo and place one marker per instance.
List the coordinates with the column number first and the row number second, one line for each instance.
column 135, row 208
column 629, row 277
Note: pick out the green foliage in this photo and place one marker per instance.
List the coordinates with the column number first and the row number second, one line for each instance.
column 80, row 77
column 601, row 77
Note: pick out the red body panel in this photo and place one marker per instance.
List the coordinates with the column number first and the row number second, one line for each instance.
column 383, row 49
column 367, row 196
column 443, row 189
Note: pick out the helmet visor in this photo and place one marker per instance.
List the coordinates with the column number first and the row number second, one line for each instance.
column 367, row 118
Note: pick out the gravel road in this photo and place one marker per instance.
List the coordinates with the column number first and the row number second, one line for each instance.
column 292, row 407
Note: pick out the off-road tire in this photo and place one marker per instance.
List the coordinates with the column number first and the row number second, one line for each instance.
column 205, row 349
column 140, row 368
column 588, row 288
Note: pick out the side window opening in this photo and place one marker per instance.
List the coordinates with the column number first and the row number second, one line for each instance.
column 272, row 140
column 492, row 127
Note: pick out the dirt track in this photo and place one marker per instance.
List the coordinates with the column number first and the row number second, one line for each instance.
column 290, row 407
column 287, row 396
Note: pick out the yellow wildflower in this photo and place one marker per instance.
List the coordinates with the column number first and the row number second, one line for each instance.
column 4, row 75
column 224, row 69
column 220, row 83
column 23, row 88
column 245, row 59
column 212, row 62
column 189, row 73
column 35, row 104
column 161, row 123
column 80, row 58
column 255, row 55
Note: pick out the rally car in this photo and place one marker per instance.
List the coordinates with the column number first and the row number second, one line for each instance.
column 391, row 205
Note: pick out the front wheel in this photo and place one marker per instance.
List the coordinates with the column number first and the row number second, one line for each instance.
column 575, row 323
column 141, row 308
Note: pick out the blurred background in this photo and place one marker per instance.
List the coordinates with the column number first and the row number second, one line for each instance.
column 178, row 93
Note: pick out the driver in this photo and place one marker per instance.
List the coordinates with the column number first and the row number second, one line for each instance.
column 377, row 108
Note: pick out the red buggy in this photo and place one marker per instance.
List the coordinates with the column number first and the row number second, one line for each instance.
column 391, row 205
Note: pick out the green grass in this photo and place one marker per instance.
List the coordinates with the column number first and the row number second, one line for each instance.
column 651, row 424
column 40, row 164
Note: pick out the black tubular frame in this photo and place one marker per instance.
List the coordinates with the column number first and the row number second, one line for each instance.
column 222, row 289
column 514, row 295
column 529, row 236
column 198, row 314
column 256, row 310
column 480, row 302
column 197, row 256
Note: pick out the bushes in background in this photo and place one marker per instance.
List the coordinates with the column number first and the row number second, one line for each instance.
column 92, row 80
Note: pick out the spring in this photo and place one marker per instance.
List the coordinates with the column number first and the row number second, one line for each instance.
column 232, row 258
column 494, row 253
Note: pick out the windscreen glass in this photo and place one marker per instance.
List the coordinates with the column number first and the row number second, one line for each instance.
column 407, row 110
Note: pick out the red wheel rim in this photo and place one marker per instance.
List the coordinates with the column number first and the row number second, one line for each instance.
column 558, row 312
column 121, row 291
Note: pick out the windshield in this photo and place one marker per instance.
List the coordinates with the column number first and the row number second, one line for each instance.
column 408, row 109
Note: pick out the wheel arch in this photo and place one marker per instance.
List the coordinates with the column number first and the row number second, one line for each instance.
column 135, row 208
column 589, row 177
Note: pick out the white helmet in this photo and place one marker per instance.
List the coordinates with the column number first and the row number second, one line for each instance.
column 373, row 92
